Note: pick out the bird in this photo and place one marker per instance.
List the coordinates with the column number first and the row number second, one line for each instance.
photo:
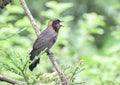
column 45, row 41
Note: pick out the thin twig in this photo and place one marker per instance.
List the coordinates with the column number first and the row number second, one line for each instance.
column 10, row 80
column 30, row 17
column 57, row 67
column 24, row 76
column 74, row 72
column 51, row 57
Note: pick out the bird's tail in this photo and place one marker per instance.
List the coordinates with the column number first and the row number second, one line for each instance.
column 34, row 64
column 32, row 55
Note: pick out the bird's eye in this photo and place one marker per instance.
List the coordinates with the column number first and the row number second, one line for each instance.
column 56, row 22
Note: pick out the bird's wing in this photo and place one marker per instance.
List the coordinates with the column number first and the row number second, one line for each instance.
column 44, row 40
column 39, row 45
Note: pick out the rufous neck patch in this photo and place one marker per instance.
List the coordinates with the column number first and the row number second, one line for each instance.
column 51, row 25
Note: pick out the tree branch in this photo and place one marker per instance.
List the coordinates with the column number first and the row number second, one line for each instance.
column 57, row 67
column 32, row 21
column 10, row 80
column 51, row 57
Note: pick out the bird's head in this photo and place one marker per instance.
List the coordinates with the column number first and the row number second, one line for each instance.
column 55, row 24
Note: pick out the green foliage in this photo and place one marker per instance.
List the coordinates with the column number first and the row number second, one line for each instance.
column 87, row 47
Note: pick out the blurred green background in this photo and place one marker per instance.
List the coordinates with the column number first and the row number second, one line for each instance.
column 87, row 49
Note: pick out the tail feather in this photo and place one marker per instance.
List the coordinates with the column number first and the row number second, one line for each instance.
column 34, row 64
column 32, row 53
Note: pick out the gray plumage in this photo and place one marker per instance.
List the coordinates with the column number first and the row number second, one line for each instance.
column 44, row 41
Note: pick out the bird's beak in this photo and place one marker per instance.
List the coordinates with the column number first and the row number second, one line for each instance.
column 61, row 21
column 61, row 25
